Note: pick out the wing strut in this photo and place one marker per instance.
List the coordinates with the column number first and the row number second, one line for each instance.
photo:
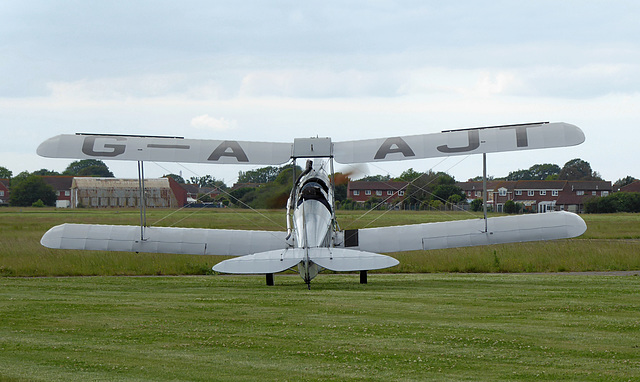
column 142, row 204
column 484, row 190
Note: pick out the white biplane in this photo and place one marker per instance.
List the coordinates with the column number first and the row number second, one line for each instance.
column 313, row 240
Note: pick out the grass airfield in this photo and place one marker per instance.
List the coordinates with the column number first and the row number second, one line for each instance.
column 403, row 326
column 396, row 328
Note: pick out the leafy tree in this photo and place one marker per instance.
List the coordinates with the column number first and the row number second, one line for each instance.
column 45, row 172
column 409, row 175
column 445, row 192
column 38, row 203
column 207, row 181
column 510, row 207
column 341, row 184
column 578, row 169
column 375, row 178
column 536, row 172
column 432, row 185
column 239, row 194
column 88, row 167
column 5, row 173
column 260, row 175
column 544, row 171
column 420, row 189
column 175, row 177
column 617, row 202
column 489, row 177
column 624, row 181
column 476, row 205
column 519, row 175
column 27, row 191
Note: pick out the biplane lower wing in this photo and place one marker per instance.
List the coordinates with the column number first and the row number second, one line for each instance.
column 466, row 233
column 192, row 241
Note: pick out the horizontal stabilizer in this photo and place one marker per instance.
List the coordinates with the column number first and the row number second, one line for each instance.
column 466, row 233
column 335, row 259
column 191, row 241
column 264, row 262
column 348, row 260
column 459, row 142
column 164, row 149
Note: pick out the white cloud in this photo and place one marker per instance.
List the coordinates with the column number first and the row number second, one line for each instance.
column 206, row 122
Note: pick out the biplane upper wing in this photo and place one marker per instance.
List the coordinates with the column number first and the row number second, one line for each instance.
column 164, row 149
column 460, row 142
column 466, row 233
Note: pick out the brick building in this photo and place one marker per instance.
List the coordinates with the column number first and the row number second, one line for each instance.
column 4, row 191
column 62, row 186
column 112, row 192
column 361, row 191
column 538, row 195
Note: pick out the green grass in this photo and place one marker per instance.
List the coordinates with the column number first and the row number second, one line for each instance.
column 612, row 242
column 452, row 327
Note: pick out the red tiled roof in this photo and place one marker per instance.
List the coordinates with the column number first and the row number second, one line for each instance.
column 59, row 182
column 540, row 184
column 633, row 187
column 589, row 185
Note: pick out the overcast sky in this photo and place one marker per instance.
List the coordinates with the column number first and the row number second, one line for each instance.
column 277, row 70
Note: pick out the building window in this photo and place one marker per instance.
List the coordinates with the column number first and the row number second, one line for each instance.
column 594, row 192
column 502, row 192
column 356, row 192
column 531, row 192
column 518, row 192
column 478, row 193
column 1, row 193
column 554, row 193
column 604, row 193
column 67, row 193
column 401, row 193
column 367, row 192
column 543, row 192
column 389, row 193
column 378, row 193
column 580, row 192
column 57, row 193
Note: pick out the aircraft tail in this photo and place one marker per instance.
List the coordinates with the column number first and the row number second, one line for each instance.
column 335, row 259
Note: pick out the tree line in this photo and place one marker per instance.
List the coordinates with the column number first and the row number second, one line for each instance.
column 269, row 187
column 29, row 189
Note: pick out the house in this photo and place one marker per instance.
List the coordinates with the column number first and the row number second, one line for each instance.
column 62, row 186
column 538, row 195
column 4, row 192
column 633, row 187
column 193, row 192
column 576, row 192
column 112, row 192
column 361, row 191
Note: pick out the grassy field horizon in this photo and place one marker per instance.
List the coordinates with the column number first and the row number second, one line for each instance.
column 611, row 243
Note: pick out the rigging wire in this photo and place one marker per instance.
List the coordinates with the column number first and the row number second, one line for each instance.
column 419, row 188
column 216, row 188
